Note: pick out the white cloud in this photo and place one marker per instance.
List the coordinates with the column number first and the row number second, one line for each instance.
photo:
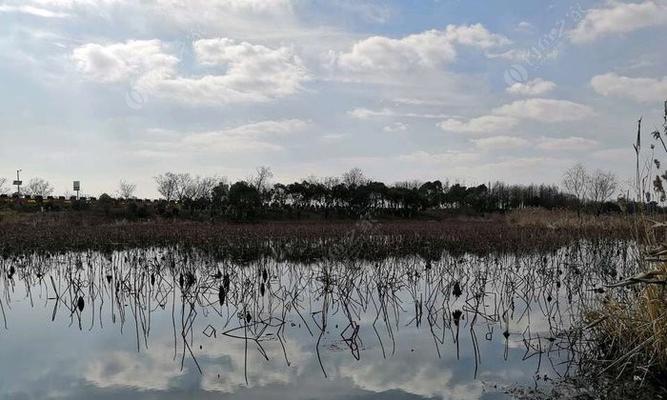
column 535, row 87
column 517, row 55
column 253, row 73
column 525, row 27
column 279, row 128
column 219, row 142
column 638, row 89
column 256, row 136
column 449, row 158
column 614, row 155
column 428, row 49
column 572, row 143
column 500, row 143
column 396, row 127
column 123, row 61
column 263, row 136
column 521, row 55
column 333, row 137
column 372, row 12
column 365, row 113
column 569, row 144
column 475, row 36
column 545, row 110
column 170, row 6
column 31, row 10
column 420, row 101
column 254, row 5
column 483, row 124
column 192, row 18
column 506, row 117
column 619, row 18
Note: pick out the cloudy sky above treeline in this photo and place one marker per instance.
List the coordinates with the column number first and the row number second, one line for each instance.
column 469, row 91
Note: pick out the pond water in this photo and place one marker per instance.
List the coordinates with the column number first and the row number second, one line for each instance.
column 175, row 324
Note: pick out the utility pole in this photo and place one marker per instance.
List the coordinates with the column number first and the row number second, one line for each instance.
column 77, row 186
column 18, row 182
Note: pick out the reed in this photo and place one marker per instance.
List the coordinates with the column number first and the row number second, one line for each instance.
column 305, row 242
column 630, row 326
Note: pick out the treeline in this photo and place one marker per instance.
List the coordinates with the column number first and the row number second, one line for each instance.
column 348, row 196
column 352, row 195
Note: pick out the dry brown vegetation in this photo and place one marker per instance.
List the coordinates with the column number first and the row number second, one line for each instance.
column 570, row 220
column 311, row 240
column 631, row 325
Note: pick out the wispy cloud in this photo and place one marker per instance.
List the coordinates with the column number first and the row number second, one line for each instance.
column 508, row 116
column 365, row 113
column 572, row 143
column 32, row 10
column 534, row 87
column 638, row 89
column 618, row 18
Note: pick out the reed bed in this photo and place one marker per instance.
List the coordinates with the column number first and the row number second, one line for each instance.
column 630, row 327
column 303, row 241
column 571, row 220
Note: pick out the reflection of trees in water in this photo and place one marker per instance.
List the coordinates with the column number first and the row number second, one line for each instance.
column 533, row 301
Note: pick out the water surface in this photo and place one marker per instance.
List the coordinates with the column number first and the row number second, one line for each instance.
column 174, row 323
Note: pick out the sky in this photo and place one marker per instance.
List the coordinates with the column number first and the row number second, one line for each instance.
column 465, row 91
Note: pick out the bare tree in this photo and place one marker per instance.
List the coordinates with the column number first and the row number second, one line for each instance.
column 602, row 185
column 261, row 179
column 330, row 181
column 38, row 187
column 575, row 181
column 203, row 187
column 354, row 177
column 3, row 189
column 126, row 189
column 410, row 184
column 185, row 186
column 190, row 187
column 167, row 185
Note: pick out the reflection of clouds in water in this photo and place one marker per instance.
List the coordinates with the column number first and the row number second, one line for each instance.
column 111, row 365
column 416, row 375
column 154, row 369
column 227, row 360
column 537, row 322
column 221, row 360
column 506, row 375
column 223, row 364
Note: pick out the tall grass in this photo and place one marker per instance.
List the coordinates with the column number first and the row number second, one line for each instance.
column 630, row 327
column 633, row 333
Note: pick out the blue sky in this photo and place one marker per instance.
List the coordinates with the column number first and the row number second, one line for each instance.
column 462, row 90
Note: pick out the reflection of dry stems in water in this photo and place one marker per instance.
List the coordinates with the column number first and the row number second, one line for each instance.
column 533, row 300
